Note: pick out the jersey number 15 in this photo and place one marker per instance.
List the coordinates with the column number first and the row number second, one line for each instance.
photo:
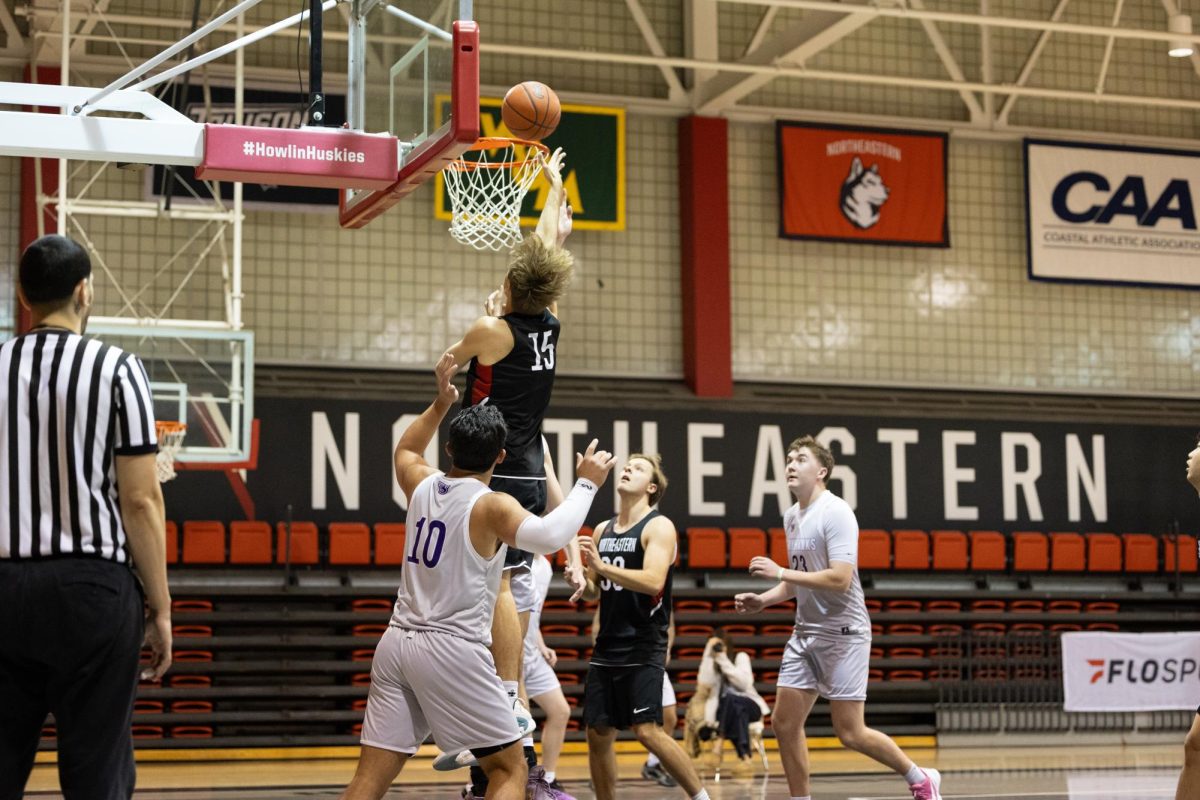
column 543, row 353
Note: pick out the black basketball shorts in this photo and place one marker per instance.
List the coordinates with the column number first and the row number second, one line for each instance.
column 531, row 494
column 621, row 697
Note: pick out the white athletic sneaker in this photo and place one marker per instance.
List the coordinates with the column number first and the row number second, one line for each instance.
column 447, row 762
column 930, row 788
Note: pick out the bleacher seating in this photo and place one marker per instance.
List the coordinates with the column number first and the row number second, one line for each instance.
column 255, row 664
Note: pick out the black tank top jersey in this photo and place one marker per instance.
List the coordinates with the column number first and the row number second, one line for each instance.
column 520, row 385
column 633, row 626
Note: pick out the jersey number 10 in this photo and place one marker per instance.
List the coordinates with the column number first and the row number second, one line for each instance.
column 435, row 540
column 543, row 354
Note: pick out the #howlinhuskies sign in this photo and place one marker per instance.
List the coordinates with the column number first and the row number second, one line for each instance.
column 862, row 185
column 1112, row 214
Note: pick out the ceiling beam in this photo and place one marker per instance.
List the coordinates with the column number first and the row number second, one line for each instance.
column 793, row 46
column 674, row 86
column 949, row 62
column 1030, row 62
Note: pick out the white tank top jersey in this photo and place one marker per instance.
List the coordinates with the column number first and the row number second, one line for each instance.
column 444, row 584
column 826, row 531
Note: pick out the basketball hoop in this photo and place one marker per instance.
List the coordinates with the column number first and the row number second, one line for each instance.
column 486, row 190
column 170, row 440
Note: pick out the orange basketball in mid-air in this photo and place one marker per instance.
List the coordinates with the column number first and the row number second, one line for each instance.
column 531, row 111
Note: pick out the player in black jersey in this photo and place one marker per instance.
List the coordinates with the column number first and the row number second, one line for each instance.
column 512, row 358
column 629, row 564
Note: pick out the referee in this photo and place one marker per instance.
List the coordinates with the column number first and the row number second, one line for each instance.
column 80, row 505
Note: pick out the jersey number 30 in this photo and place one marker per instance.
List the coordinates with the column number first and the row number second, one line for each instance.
column 432, row 553
column 543, row 354
column 605, row 584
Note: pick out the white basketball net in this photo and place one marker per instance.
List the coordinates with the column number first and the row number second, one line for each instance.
column 170, row 440
column 486, row 194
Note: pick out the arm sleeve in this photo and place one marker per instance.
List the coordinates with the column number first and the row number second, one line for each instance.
column 134, row 409
column 548, row 534
column 841, row 534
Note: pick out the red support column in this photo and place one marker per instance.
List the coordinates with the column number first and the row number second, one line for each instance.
column 704, row 251
column 29, row 220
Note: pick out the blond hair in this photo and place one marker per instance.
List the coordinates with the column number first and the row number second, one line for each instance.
column 657, row 476
column 822, row 453
column 537, row 275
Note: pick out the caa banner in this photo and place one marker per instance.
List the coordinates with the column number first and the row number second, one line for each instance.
column 1131, row 671
column 862, row 185
column 1111, row 214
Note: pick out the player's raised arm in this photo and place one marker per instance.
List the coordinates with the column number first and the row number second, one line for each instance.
column 411, row 467
column 660, row 539
column 504, row 517
column 554, row 224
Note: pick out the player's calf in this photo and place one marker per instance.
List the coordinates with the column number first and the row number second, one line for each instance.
column 506, row 772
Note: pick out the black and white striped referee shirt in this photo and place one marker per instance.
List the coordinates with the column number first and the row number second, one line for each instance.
column 68, row 405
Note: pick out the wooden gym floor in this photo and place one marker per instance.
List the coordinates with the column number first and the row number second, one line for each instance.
column 1141, row 772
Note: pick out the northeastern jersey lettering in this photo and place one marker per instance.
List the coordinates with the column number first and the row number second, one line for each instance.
column 520, row 385
column 633, row 626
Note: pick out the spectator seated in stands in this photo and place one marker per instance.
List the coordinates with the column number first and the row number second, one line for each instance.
column 726, row 706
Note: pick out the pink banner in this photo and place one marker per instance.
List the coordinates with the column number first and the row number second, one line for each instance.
column 333, row 158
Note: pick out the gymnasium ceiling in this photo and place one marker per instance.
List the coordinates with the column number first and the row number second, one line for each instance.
column 1095, row 69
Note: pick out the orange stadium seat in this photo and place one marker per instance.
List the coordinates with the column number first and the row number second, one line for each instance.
column 1031, row 552
column 988, row 606
column 874, row 549
column 903, row 605
column 249, row 542
column 303, row 545
column 910, row 550
column 706, row 548
column 1103, row 552
column 988, row 551
column 1141, row 552
column 349, row 543
column 943, row 605
column 1067, row 552
column 949, row 550
column 1185, row 548
column 389, row 543
column 779, row 551
column 203, row 542
column 172, row 543
column 745, row 544
column 1027, row 606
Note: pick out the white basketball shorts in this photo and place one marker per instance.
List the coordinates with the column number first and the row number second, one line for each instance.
column 668, row 691
column 524, row 590
column 539, row 676
column 427, row 681
column 835, row 668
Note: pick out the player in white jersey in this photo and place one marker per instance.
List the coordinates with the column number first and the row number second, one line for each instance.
column 432, row 670
column 541, row 683
column 829, row 652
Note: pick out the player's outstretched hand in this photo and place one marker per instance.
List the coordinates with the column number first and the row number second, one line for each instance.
column 566, row 222
column 576, row 580
column 445, row 370
column 748, row 603
column 553, row 168
column 763, row 567
column 494, row 305
column 588, row 552
column 594, row 465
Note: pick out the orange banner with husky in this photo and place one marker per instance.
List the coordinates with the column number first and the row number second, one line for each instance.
column 862, row 185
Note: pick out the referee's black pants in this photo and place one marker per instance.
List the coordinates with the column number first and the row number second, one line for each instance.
column 70, row 638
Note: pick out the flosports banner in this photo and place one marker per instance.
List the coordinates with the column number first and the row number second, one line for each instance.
column 862, row 185
column 1131, row 671
column 1111, row 214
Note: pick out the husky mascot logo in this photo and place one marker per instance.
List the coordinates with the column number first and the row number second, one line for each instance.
column 863, row 194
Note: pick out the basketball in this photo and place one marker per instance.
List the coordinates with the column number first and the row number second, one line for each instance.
column 531, row 111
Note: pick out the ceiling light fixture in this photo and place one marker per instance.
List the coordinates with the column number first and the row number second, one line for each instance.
column 1180, row 24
